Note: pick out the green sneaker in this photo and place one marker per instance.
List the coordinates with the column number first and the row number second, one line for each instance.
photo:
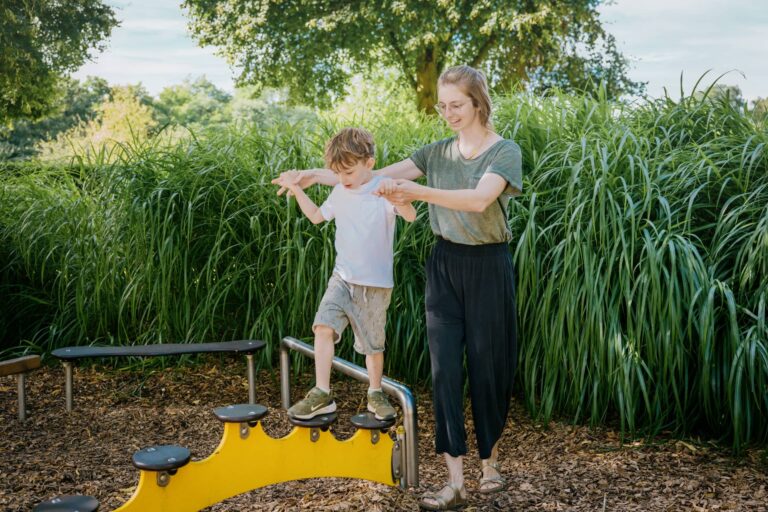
column 380, row 406
column 316, row 402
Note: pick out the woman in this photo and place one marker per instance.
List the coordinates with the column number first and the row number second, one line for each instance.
column 470, row 291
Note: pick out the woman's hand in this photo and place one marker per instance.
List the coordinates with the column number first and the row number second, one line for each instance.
column 399, row 192
column 293, row 178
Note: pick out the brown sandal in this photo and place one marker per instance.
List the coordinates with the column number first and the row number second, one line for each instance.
column 457, row 499
column 491, row 484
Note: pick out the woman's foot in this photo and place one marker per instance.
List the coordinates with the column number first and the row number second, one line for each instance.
column 449, row 497
column 491, row 480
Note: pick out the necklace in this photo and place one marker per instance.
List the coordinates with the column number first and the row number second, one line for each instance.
column 478, row 148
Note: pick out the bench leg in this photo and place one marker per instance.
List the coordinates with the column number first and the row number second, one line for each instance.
column 251, row 379
column 22, row 397
column 68, row 385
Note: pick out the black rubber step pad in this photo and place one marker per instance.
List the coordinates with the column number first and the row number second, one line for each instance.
column 161, row 458
column 69, row 503
column 368, row 421
column 321, row 421
column 240, row 413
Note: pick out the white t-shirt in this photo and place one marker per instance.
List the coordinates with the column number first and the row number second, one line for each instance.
column 365, row 234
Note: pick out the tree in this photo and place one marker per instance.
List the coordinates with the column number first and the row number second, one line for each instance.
column 41, row 41
column 587, row 71
column 193, row 104
column 718, row 93
column 760, row 108
column 265, row 108
column 123, row 118
column 78, row 104
column 313, row 47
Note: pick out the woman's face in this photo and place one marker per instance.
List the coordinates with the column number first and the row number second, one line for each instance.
column 455, row 107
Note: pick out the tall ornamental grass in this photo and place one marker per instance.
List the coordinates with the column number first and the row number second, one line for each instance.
column 641, row 247
column 642, row 256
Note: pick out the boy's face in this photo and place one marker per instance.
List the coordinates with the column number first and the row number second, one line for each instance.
column 357, row 175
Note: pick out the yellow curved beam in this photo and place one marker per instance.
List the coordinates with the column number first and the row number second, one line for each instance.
column 240, row 465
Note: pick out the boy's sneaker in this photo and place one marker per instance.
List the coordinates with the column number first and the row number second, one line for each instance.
column 380, row 406
column 316, row 402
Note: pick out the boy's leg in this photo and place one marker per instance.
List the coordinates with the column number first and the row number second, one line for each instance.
column 328, row 325
column 368, row 317
column 374, row 363
column 378, row 403
column 324, row 350
column 330, row 321
column 319, row 400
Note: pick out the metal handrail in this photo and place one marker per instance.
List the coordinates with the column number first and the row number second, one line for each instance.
column 389, row 386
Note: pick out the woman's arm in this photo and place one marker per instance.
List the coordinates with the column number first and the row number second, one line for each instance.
column 305, row 179
column 404, row 169
column 478, row 199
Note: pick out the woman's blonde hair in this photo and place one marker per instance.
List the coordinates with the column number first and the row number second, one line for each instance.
column 472, row 83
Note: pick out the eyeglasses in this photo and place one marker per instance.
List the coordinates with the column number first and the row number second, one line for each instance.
column 445, row 109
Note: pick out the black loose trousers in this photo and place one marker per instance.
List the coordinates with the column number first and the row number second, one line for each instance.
column 470, row 306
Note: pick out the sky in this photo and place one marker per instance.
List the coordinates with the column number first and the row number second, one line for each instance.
column 661, row 38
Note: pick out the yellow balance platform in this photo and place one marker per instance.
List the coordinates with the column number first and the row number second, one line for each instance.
column 242, row 464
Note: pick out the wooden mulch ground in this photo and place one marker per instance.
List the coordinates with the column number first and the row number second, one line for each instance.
column 560, row 467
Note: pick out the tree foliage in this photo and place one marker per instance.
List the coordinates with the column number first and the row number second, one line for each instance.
column 195, row 102
column 313, row 47
column 716, row 93
column 42, row 40
column 78, row 104
column 122, row 118
column 760, row 108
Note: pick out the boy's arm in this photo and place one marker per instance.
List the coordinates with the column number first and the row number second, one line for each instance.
column 308, row 207
column 406, row 211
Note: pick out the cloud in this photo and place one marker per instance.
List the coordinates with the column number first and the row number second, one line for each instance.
column 658, row 57
column 154, row 25
column 664, row 38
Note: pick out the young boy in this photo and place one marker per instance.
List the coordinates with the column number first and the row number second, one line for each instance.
column 360, row 288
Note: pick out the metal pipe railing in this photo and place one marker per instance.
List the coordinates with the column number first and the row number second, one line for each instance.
column 68, row 384
column 251, row 378
column 389, row 386
column 22, row 397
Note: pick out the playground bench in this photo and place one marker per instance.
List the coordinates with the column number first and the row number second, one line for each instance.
column 20, row 367
column 70, row 354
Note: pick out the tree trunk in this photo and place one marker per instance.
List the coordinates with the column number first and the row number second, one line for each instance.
column 427, row 71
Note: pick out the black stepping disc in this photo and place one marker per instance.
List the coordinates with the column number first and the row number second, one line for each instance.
column 368, row 421
column 322, row 421
column 161, row 458
column 240, row 413
column 70, row 504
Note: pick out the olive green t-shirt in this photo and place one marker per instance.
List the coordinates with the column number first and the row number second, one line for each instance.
column 447, row 169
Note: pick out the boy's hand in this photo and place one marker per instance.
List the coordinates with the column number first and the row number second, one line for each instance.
column 386, row 187
column 285, row 183
column 291, row 179
column 399, row 192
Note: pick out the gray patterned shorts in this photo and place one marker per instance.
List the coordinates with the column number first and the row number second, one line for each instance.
column 362, row 307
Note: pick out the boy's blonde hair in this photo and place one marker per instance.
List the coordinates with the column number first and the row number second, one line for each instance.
column 472, row 83
column 349, row 147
